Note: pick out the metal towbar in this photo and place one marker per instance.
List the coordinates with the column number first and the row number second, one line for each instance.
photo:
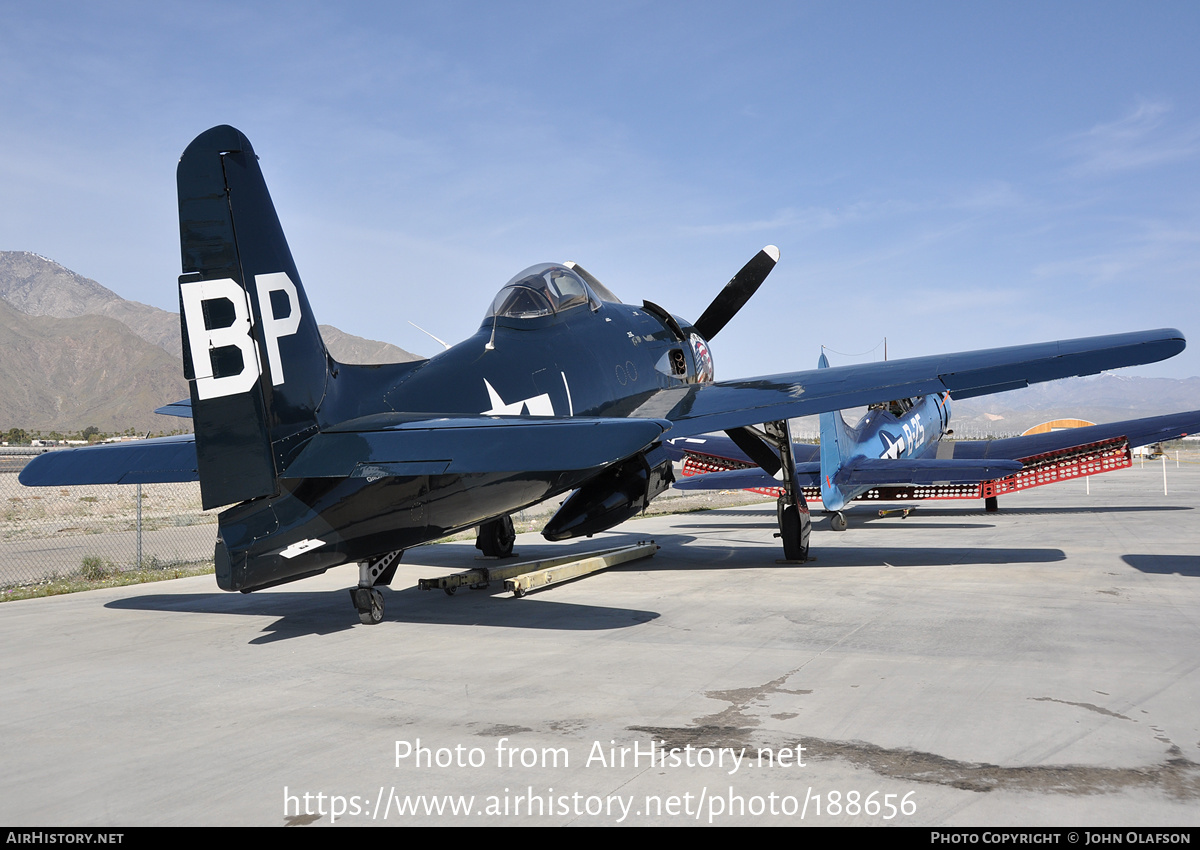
column 522, row 578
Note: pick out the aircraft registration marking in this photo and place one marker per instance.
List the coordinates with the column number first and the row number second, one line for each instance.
column 239, row 333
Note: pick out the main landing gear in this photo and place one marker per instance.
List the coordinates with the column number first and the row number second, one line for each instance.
column 795, row 523
column 795, row 527
column 367, row 598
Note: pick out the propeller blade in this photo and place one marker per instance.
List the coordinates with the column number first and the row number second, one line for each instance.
column 737, row 292
column 755, row 449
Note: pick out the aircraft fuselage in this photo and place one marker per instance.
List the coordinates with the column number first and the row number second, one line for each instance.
column 581, row 362
column 907, row 428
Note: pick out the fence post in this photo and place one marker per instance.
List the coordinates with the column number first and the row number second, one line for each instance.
column 139, row 526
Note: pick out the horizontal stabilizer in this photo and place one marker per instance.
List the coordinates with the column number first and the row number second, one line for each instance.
column 163, row 460
column 929, row 471
column 182, row 409
column 403, row 445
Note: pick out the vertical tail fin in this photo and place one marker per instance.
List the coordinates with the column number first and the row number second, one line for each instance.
column 252, row 354
column 834, row 441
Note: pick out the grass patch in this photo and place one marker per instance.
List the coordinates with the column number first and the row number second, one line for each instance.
column 111, row 577
column 95, row 569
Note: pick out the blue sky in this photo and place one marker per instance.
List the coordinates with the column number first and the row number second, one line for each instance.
column 948, row 175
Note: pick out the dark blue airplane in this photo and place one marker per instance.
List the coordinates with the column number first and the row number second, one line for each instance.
column 563, row 388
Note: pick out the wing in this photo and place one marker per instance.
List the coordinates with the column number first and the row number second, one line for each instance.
column 377, row 447
column 857, row 471
column 878, row 471
column 402, row 445
column 720, row 448
column 808, row 474
column 698, row 408
column 1138, row 432
column 714, row 462
column 162, row 460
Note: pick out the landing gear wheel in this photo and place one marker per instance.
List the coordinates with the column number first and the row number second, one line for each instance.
column 794, row 529
column 496, row 538
column 449, row 590
column 838, row 521
column 369, row 603
column 519, row 593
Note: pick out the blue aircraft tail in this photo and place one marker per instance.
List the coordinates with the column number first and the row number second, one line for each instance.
column 252, row 354
column 834, row 442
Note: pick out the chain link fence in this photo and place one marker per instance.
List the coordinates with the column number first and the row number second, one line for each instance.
column 49, row 533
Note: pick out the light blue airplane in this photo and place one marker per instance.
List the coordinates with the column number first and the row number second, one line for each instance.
column 895, row 453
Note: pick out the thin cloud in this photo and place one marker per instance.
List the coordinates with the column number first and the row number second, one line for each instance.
column 1150, row 249
column 807, row 220
column 1144, row 138
column 986, row 197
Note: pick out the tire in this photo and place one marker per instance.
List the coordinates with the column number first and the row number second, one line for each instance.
column 794, row 529
column 496, row 538
column 372, row 615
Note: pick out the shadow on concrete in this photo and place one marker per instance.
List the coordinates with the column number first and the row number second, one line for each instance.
column 325, row 612
column 1007, row 510
column 688, row 552
column 300, row 613
column 1180, row 565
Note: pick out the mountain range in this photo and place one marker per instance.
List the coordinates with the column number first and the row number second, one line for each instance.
column 74, row 354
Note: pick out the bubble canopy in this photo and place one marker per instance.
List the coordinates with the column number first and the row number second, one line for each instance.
column 542, row 290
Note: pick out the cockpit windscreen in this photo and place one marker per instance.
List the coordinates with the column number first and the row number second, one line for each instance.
column 542, row 290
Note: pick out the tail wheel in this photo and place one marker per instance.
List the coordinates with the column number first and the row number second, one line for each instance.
column 369, row 603
column 496, row 538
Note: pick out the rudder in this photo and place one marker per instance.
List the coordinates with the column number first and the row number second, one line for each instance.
column 834, row 439
column 252, row 354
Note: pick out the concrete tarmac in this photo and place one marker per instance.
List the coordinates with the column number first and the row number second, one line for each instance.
column 1037, row 666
